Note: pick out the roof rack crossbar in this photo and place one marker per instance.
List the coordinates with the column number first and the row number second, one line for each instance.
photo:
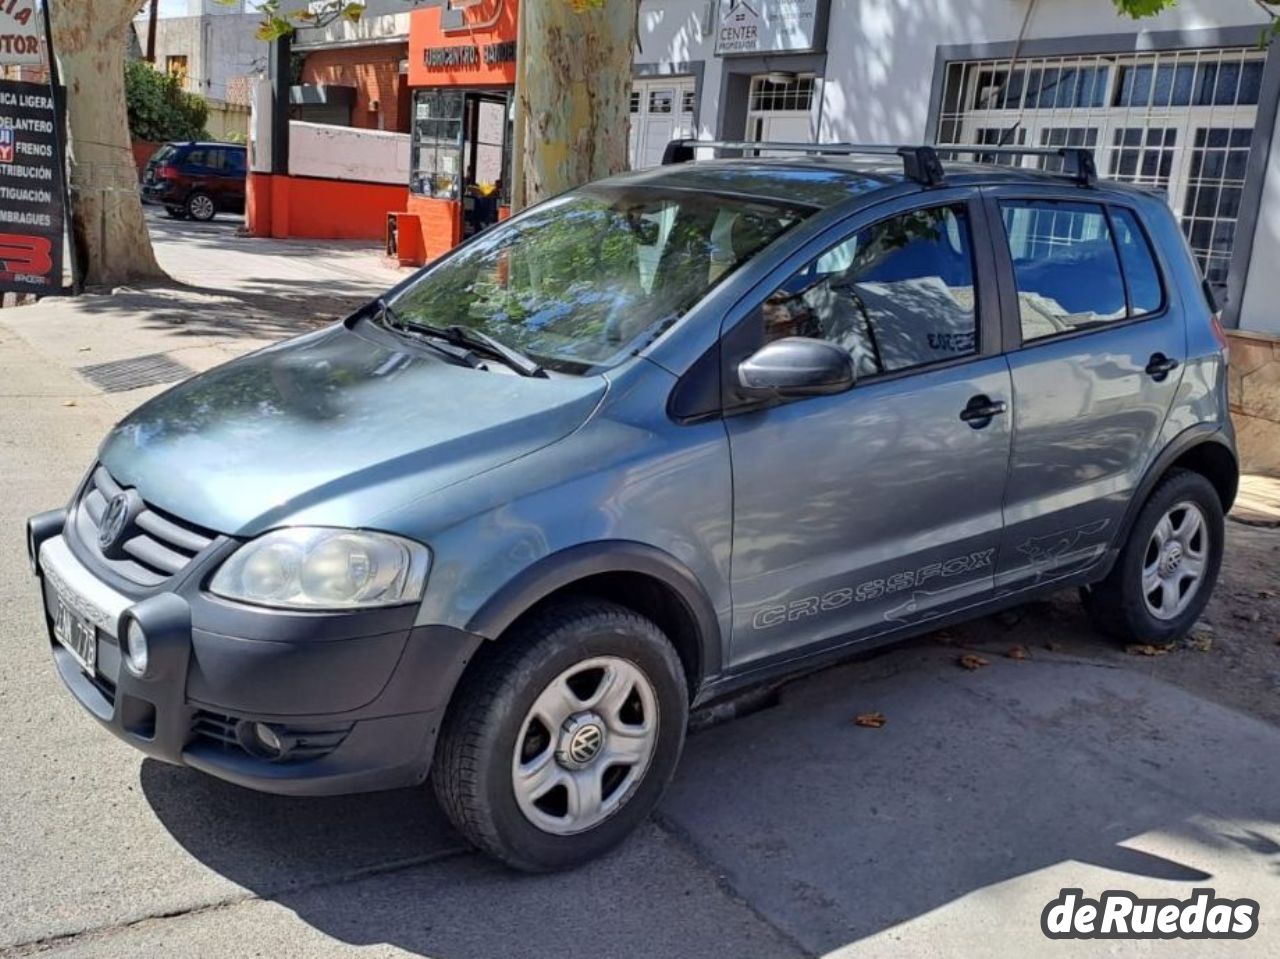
column 919, row 163
column 1077, row 162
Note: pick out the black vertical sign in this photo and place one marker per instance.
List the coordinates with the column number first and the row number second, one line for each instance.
column 31, row 189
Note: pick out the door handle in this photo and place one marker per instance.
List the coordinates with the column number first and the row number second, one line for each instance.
column 1160, row 366
column 979, row 410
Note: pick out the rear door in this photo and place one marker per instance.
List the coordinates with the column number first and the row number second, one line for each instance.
column 234, row 173
column 858, row 514
column 1098, row 348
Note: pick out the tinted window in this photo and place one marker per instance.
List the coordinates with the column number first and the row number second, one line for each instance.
column 1145, row 293
column 195, row 158
column 235, row 161
column 216, row 159
column 896, row 295
column 1065, row 265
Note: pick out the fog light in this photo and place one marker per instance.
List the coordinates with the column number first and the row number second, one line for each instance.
column 135, row 649
column 264, row 740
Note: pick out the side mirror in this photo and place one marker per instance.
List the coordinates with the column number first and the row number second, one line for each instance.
column 797, row 366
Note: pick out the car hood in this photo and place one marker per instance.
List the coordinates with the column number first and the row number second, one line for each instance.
column 333, row 428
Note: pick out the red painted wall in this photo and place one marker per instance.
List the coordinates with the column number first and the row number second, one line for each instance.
column 375, row 74
column 284, row 206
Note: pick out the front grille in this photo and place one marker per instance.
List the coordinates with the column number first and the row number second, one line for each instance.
column 162, row 546
column 220, row 731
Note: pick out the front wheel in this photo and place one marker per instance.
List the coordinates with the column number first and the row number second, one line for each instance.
column 561, row 741
column 1166, row 572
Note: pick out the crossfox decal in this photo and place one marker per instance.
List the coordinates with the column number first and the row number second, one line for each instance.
column 798, row 609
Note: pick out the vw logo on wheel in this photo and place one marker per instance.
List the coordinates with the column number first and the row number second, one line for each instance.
column 116, row 520
column 585, row 744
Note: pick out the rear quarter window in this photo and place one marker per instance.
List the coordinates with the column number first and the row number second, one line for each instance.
column 1146, row 292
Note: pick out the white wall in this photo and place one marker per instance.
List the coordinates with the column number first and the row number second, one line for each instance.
column 348, row 153
column 881, row 52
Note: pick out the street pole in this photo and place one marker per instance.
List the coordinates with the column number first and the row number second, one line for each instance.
column 151, row 31
column 519, row 116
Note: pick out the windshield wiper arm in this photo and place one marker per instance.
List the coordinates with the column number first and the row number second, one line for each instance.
column 479, row 340
column 421, row 332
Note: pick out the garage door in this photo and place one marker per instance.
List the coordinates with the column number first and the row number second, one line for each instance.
column 661, row 111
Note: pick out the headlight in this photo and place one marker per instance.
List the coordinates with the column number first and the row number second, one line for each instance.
column 316, row 568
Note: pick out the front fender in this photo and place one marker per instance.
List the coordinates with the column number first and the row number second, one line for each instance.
column 576, row 563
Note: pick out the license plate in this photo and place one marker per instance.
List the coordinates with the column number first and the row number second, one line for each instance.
column 76, row 634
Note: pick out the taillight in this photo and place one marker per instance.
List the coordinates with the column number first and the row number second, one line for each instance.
column 168, row 172
column 1219, row 334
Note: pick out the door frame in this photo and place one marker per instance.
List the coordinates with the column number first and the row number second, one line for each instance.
column 1010, row 308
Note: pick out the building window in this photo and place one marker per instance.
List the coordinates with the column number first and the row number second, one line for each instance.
column 662, row 101
column 176, row 67
column 687, row 101
column 635, row 101
column 773, row 96
column 1180, row 121
column 436, row 161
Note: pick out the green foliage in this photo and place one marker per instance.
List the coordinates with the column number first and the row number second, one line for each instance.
column 281, row 17
column 159, row 109
column 1143, row 8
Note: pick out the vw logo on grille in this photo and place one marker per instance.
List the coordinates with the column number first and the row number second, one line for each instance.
column 117, row 519
column 585, row 744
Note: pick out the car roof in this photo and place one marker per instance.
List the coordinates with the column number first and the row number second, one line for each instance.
column 825, row 181
column 206, row 143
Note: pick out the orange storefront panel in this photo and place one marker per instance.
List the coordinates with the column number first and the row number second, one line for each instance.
column 453, row 45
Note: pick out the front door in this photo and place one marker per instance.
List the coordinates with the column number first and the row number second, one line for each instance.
column 863, row 513
column 1102, row 351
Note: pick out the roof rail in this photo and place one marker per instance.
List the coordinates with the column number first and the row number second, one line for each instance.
column 920, row 163
column 1077, row 162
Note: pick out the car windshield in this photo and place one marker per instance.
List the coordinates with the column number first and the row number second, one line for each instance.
column 582, row 281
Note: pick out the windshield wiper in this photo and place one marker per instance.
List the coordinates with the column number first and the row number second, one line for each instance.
column 392, row 320
column 474, row 340
column 484, row 343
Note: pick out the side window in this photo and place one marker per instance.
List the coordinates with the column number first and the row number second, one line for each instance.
column 1065, row 265
column 896, row 295
column 235, row 161
column 1146, row 295
column 216, row 160
column 195, row 159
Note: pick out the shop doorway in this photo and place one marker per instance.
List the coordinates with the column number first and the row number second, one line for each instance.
column 486, row 159
column 781, row 110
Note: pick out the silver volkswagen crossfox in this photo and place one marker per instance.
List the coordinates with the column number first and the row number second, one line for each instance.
column 675, row 433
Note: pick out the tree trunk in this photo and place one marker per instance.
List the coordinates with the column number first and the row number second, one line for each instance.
column 107, row 225
column 573, row 87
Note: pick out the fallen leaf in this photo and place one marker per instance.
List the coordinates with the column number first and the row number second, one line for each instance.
column 85, row 349
column 870, row 720
column 971, row 661
column 1201, row 641
column 1146, row 649
column 68, row 402
column 1018, row 652
column 1265, row 594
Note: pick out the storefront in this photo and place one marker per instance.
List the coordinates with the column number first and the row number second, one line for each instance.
column 462, row 63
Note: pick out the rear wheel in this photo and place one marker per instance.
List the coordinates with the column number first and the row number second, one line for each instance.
column 1166, row 572
column 200, row 206
column 562, row 741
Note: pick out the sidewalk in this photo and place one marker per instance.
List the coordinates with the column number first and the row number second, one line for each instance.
column 230, row 295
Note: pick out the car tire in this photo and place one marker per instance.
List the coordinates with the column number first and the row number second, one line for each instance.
column 1166, row 571
column 536, row 789
column 200, row 206
column 176, row 212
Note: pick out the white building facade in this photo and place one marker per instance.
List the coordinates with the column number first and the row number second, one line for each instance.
column 1186, row 101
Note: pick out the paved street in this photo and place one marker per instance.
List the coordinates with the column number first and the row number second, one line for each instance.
column 788, row 832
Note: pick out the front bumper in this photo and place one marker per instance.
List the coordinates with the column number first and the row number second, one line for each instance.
column 358, row 705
